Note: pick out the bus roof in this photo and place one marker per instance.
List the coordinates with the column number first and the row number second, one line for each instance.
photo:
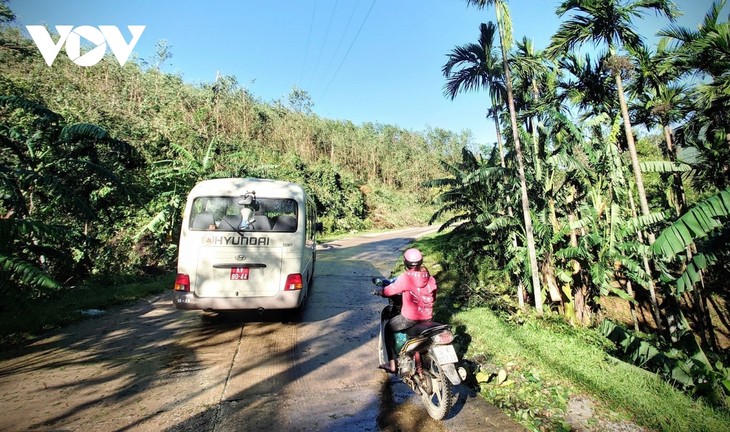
column 239, row 186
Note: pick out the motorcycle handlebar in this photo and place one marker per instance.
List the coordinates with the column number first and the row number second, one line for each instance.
column 381, row 282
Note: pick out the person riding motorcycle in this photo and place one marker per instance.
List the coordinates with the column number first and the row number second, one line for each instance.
column 418, row 289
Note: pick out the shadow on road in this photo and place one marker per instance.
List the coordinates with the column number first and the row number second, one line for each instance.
column 149, row 366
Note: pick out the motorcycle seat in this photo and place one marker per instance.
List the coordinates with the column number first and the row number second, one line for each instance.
column 426, row 327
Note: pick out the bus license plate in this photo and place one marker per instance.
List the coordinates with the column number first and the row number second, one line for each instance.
column 239, row 273
column 445, row 354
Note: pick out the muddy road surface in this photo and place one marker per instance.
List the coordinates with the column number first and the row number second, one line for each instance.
column 150, row 367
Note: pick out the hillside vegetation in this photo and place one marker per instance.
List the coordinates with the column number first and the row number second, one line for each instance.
column 97, row 161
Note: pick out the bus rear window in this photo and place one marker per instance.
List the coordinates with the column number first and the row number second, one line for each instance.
column 246, row 213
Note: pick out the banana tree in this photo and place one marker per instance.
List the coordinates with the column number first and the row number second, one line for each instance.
column 473, row 197
column 472, row 194
column 173, row 179
column 705, row 221
column 63, row 189
column 607, row 247
column 705, row 225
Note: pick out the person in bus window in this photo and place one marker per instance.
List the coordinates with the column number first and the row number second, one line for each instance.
column 247, row 211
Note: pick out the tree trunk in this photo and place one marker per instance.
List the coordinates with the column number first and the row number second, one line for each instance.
column 548, row 275
column 578, row 288
column 500, row 144
column 532, row 254
column 503, row 164
column 535, row 136
column 632, row 307
column 652, row 289
column 582, row 309
column 678, row 186
column 643, row 203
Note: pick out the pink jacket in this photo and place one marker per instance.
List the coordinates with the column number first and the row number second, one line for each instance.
column 419, row 292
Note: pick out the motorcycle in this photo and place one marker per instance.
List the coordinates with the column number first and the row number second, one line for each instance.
column 425, row 360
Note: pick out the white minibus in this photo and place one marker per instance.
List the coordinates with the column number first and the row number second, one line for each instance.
column 245, row 244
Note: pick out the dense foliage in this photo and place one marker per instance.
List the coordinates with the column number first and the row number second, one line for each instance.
column 95, row 162
column 611, row 212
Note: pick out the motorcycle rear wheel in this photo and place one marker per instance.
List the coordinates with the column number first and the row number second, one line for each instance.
column 438, row 403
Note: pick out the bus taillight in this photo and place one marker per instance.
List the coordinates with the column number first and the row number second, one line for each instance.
column 182, row 282
column 293, row 282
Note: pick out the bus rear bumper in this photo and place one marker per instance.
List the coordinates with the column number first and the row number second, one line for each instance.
column 283, row 300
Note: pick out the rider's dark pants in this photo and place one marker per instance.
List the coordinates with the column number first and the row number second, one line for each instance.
column 396, row 324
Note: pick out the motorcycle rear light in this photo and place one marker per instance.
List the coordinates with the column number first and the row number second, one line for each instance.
column 293, row 282
column 182, row 282
column 443, row 338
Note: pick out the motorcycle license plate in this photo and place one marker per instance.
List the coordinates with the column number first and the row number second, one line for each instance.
column 239, row 273
column 445, row 354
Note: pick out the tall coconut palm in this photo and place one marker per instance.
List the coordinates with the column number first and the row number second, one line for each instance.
column 504, row 24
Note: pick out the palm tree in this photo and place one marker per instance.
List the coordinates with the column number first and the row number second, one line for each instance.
column 609, row 22
column 504, row 24
column 586, row 85
column 473, row 66
column 705, row 53
column 477, row 65
column 529, row 66
column 660, row 103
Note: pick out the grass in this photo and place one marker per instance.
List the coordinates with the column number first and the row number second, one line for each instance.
column 32, row 318
column 539, row 352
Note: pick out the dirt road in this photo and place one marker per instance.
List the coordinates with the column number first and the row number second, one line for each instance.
column 150, row 367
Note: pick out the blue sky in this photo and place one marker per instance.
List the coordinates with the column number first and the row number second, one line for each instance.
column 360, row 60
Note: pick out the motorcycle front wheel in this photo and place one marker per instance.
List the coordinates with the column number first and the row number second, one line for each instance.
column 439, row 401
